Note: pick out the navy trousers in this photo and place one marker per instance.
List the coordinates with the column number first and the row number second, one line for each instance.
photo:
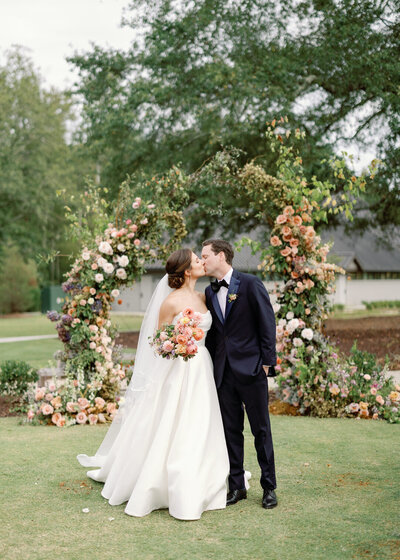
column 251, row 392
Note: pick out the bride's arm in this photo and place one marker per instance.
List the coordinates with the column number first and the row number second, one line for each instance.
column 167, row 313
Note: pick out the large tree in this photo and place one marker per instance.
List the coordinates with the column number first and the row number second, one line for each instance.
column 207, row 73
column 35, row 162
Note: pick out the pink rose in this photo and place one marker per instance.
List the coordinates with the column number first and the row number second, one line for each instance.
column 128, row 221
column 281, row 219
column 130, row 235
column 71, row 406
column 373, row 390
column 39, row 394
column 133, row 227
column 167, row 346
column 163, row 335
column 48, row 397
column 81, row 418
column 47, row 409
column 61, row 422
column 83, row 403
column 92, row 419
column 30, row 415
column 144, row 222
column 137, row 242
column 52, row 386
column 92, row 291
column 275, row 241
column 192, row 349
column 380, row 399
column 354, row 407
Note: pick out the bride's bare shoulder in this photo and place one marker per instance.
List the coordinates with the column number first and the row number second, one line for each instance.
column 202, row 296
column 169, row 308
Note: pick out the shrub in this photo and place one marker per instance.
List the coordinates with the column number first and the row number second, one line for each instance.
column 18, row 280
column 385, row 304
column 15, row 377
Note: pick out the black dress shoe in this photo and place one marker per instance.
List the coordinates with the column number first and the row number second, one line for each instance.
column 269, row 500
column 236, row 495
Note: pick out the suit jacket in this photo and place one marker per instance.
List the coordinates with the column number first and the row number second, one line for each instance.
column 246, row 337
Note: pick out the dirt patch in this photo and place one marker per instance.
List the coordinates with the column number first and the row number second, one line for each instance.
column 377, row 335
column 7, row 405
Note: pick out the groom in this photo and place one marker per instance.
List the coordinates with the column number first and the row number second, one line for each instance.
column 241, row 342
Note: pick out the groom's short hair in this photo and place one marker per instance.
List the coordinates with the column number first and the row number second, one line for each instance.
column 218, row 245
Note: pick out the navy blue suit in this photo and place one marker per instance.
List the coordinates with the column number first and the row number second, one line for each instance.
column 240, row 344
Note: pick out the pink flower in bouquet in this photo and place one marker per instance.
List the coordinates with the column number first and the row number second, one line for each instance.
column 83, row 403
column 379, row 399
column 180, row 349
column 285, row 252
column 48, row 396
column 81, row 418
column 56, row 417
column 137, row 242
column 47, row 409
column 167, row 346
column 30, row 415
column 92, row 419
column 39, row 394
column 288, row 211
column 373, row 390
column 181, row 339
column 111, row 408
column 354, row 407
column 197, row 317
column 188, row 312
column 192, row 349
column 71, row 406
column 297, row 220
column 61, row 422
column 275, row 241
column 163, row 336
column 198, row 334
column 281, row 219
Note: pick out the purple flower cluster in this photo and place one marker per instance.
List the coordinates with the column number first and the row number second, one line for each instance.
column 63, row 334
column 53, row 316
column 66, row 319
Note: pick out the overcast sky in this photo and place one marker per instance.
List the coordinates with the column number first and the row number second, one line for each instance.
column 54, row 29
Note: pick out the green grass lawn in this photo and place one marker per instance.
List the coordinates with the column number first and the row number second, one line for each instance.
column 36, row 352
column 337, row 488
column 361, row 313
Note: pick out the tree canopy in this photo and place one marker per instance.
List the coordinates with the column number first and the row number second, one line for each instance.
column 204, row 74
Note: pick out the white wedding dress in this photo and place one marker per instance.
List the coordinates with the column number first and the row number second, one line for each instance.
column 169, row 450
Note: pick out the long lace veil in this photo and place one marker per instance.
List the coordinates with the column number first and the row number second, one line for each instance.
column 146, row 368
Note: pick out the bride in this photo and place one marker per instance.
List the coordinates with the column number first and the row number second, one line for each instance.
column 166, row 446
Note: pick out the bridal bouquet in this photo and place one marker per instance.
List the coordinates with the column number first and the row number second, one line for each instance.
column 172, row 341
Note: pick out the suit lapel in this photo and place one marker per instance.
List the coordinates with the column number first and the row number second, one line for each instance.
column 216, row 306
column 233, row 289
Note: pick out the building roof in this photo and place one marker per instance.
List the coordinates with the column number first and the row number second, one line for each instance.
column 353, row 252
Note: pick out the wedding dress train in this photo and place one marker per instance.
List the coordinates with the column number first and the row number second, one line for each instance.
column 170, row 450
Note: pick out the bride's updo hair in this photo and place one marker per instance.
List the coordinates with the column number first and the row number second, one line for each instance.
column 177, row 263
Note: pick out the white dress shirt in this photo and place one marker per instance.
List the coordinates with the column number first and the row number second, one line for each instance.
column 222, row 293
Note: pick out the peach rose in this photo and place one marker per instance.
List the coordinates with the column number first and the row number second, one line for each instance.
column 286, row 230
column 375, row 416
column 111, row 407
column 92, row 419
column 354, row 407
column 100, row 403
column 137, row 242
column 39, row 394
column 285, row 252
column 288, row 211
column 72, row 407
column 181, row 349
column 198, row 334
column 30, row 415
column 297, row 220
column 294, row 274
column 373, row 390
column 47, row 409
column 56, row 417
column 379, row 399
column 188, row 312
column 61, row 422
column 167, row 346
column 363, row 405
column 181, row 339
column 56, row 402
column 83, row 403
column 192, row 349
column 394, row 396
column 294, row 242
column 81, row 418
column 275, row 241
column 281, row 219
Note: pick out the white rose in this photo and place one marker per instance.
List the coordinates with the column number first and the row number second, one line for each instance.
column 121, row 248
column 123, row 261
column 276, row 307
column 292, row 325
column 108, row 268
column 85, row 255
column 297, row 342
column 121, row 273
column 307, row 334
column 115, row 293
column 90, row 301
column 99, row 278
column 289, row 315
column 101, row 261
column 106, row 248
column 282, row 322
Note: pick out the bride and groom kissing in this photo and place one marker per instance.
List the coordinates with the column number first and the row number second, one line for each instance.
column 177, row 440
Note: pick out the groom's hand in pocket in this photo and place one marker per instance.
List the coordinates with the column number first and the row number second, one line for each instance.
column 266, row 369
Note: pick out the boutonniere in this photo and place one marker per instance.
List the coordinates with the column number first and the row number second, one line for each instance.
column 232, row 298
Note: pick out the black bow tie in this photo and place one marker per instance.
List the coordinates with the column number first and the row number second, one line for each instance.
column 215, row 286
